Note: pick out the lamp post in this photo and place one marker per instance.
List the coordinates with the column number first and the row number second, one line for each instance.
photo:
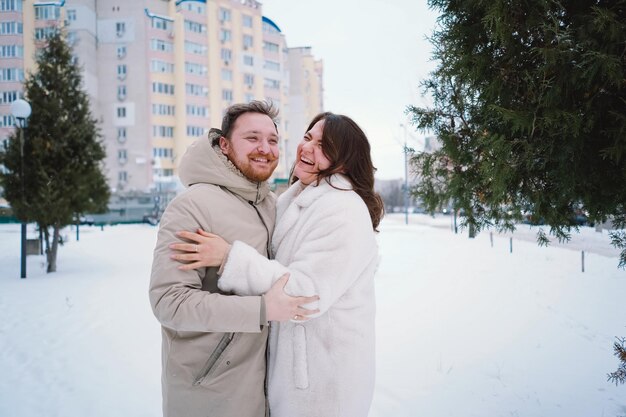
column 20, row 109
column 406, row 178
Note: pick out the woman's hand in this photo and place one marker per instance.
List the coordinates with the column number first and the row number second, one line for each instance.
column 205, row 250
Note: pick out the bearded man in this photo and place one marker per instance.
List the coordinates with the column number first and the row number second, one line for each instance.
column 213, row 351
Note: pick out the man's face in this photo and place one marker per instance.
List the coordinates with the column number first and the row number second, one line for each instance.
column 253, row 146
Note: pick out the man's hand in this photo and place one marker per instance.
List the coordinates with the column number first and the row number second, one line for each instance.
column 279, row 306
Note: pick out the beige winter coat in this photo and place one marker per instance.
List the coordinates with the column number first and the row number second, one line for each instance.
column 213, row 352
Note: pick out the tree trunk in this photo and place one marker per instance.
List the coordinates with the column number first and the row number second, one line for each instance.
column 52, row 252
column 46, row 235
column 40, row 241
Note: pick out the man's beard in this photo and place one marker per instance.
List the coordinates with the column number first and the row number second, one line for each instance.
column 247, row 169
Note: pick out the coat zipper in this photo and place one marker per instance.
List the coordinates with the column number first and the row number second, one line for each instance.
column 221, row 347
column 267, row 366
column 270, row 256
column 268, row 246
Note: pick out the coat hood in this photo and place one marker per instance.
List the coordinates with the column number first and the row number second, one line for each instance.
column 205, row 163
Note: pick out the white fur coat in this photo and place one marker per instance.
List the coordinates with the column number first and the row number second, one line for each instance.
column 323, row 367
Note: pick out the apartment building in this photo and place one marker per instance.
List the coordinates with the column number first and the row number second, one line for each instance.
column 160, row 73
column 305, row 94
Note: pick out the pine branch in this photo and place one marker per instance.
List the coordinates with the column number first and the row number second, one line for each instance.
column 619, row 376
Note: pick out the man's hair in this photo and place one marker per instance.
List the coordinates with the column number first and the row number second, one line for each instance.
column 233, row 112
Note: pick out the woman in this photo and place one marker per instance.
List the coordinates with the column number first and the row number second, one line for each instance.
column 324, row 238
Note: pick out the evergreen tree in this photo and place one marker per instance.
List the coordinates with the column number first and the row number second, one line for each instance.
column 63, row 153
column 529, row 103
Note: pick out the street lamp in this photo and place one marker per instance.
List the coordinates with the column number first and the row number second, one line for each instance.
column 406, row 178
column 20, row 109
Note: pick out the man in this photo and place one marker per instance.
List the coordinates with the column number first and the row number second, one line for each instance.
column 213, row 352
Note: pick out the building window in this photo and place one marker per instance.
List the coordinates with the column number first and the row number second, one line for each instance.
column 195, row 27
column 272, row 84
column 11, row 5
column 11, row 51
column 163, row 131
column 248, row 79
column 121, row 71
column 163, row 110
column 47, row 12
column 122, row 176
column 269, row 28
column 227, row 75
column 248, row 97
column 122, row 156
column 71, row 15
column 225, row 35
column 199, row 111
column 71, row 37
column 120, row 29
column 121, row 134
column 197, row 90
column 163, row 88
column 161, row 24
column 44, row 33
column 271, row 65
column 195, row 131
column 193, row 68
column 167, row 172
column 121, row 51
column 246, row 20
column 6, row 121
column 156, row 65
column 195, row 48
column 121, row 112
column 161, row 45
column 163, row 152
column 270, row 46
column 11, row 28
column 224, row 15
column 248, row 60
column 227, row 95
column 248, row 41
column 226, row 54
column 196, row 8
column 121, row 92
column 9, row 97
column 11, row 74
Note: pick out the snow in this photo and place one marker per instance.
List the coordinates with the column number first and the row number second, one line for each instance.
column 463, row 328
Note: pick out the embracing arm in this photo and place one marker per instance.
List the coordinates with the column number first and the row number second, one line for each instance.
column 209, row 250
column 337, row 245
column 176, row 296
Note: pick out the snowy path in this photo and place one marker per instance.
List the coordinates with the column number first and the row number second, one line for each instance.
column 463, row 329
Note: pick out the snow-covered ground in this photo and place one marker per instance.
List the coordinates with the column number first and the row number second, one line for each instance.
column 464, row 328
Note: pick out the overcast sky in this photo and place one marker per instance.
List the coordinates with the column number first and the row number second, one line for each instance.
column 375, row 54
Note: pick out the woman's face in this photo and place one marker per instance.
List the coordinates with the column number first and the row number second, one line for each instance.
column 310, row 159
